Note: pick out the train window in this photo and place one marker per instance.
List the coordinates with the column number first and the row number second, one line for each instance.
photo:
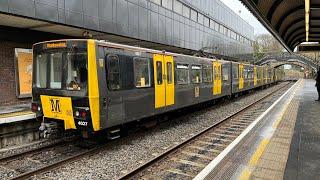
column 225, row 72
column 41, row 73
column 77, row 72
column 159, row 72
column 196, row 74
column 141, row 72
column 207, row 73
column 235, row 73
column 182, row 74
column 251, row 73
column 113, row 72
column 169, row 75
column 246, row 73
column 55, row 70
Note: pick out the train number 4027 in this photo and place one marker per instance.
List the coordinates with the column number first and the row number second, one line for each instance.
column 82, row 123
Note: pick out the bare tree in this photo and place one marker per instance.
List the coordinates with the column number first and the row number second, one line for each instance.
column 266, row 44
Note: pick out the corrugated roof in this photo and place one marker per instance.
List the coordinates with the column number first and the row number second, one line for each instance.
column 285, row 19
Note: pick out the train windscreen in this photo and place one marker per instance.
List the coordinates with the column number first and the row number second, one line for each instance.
column 64, row 69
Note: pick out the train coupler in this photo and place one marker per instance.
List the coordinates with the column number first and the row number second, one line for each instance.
column 47, row 128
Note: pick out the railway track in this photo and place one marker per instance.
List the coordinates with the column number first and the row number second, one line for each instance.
column 21, row 163
column 200, row 150
column 186, row 160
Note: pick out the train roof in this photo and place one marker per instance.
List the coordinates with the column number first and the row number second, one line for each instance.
column 139, row 49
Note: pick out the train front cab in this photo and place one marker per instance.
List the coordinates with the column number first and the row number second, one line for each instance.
column 65, row 87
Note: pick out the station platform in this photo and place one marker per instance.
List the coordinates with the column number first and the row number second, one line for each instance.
column 284, row 143
column 16, row 113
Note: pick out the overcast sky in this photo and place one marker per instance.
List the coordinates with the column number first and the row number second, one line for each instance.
column 237, row 7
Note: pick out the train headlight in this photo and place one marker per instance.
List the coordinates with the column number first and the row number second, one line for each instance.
column 77, row 113
column 39, row 108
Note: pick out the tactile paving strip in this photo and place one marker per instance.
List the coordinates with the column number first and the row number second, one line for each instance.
column 272, row 162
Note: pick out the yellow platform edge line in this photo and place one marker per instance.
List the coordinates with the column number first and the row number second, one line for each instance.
column 247, row 171
column 7, row 115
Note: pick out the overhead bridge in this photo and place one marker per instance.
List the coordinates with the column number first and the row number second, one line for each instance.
column 288, row 58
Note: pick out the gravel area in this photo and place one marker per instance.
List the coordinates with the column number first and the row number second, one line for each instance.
column 6, row 152
column 127, row 153
column 34, row 160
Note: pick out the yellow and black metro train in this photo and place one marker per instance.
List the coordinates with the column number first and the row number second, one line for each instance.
column 92, row 85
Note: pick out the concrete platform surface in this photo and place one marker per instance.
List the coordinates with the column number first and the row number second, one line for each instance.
column 16, row 113
column 304, row 157
column 288, row 147
column 284, row 143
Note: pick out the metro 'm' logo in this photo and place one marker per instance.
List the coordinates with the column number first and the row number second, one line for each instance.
column 55, row 105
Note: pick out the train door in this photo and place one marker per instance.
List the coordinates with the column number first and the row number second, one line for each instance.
column 241, row 79
column 217, row 78
column 255, row 76
column 163, row 80
column 265, row 75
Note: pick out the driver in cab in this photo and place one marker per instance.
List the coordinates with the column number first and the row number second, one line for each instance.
column 74, row 85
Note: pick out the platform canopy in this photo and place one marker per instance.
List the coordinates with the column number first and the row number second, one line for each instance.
column 290, row 21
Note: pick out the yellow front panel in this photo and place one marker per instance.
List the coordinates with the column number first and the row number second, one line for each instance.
column 58, row 108
column 159, row 88
column 93, row 86
column 169, row 85
column 241, row 78
column 255, row 76
column 217, row 78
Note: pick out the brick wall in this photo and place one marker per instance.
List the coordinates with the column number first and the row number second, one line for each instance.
column 7, row 73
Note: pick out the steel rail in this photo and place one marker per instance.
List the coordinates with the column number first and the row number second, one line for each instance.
column 59, row 142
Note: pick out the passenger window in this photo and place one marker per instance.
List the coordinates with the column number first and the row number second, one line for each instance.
column 182, row 74
column 169, row 69
column 246, row 73
column 196, row 74
column 159, row 72
column 225, row 72
column 235, row 72
column 113, row 72
column 207, row 73
column 141, row 72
